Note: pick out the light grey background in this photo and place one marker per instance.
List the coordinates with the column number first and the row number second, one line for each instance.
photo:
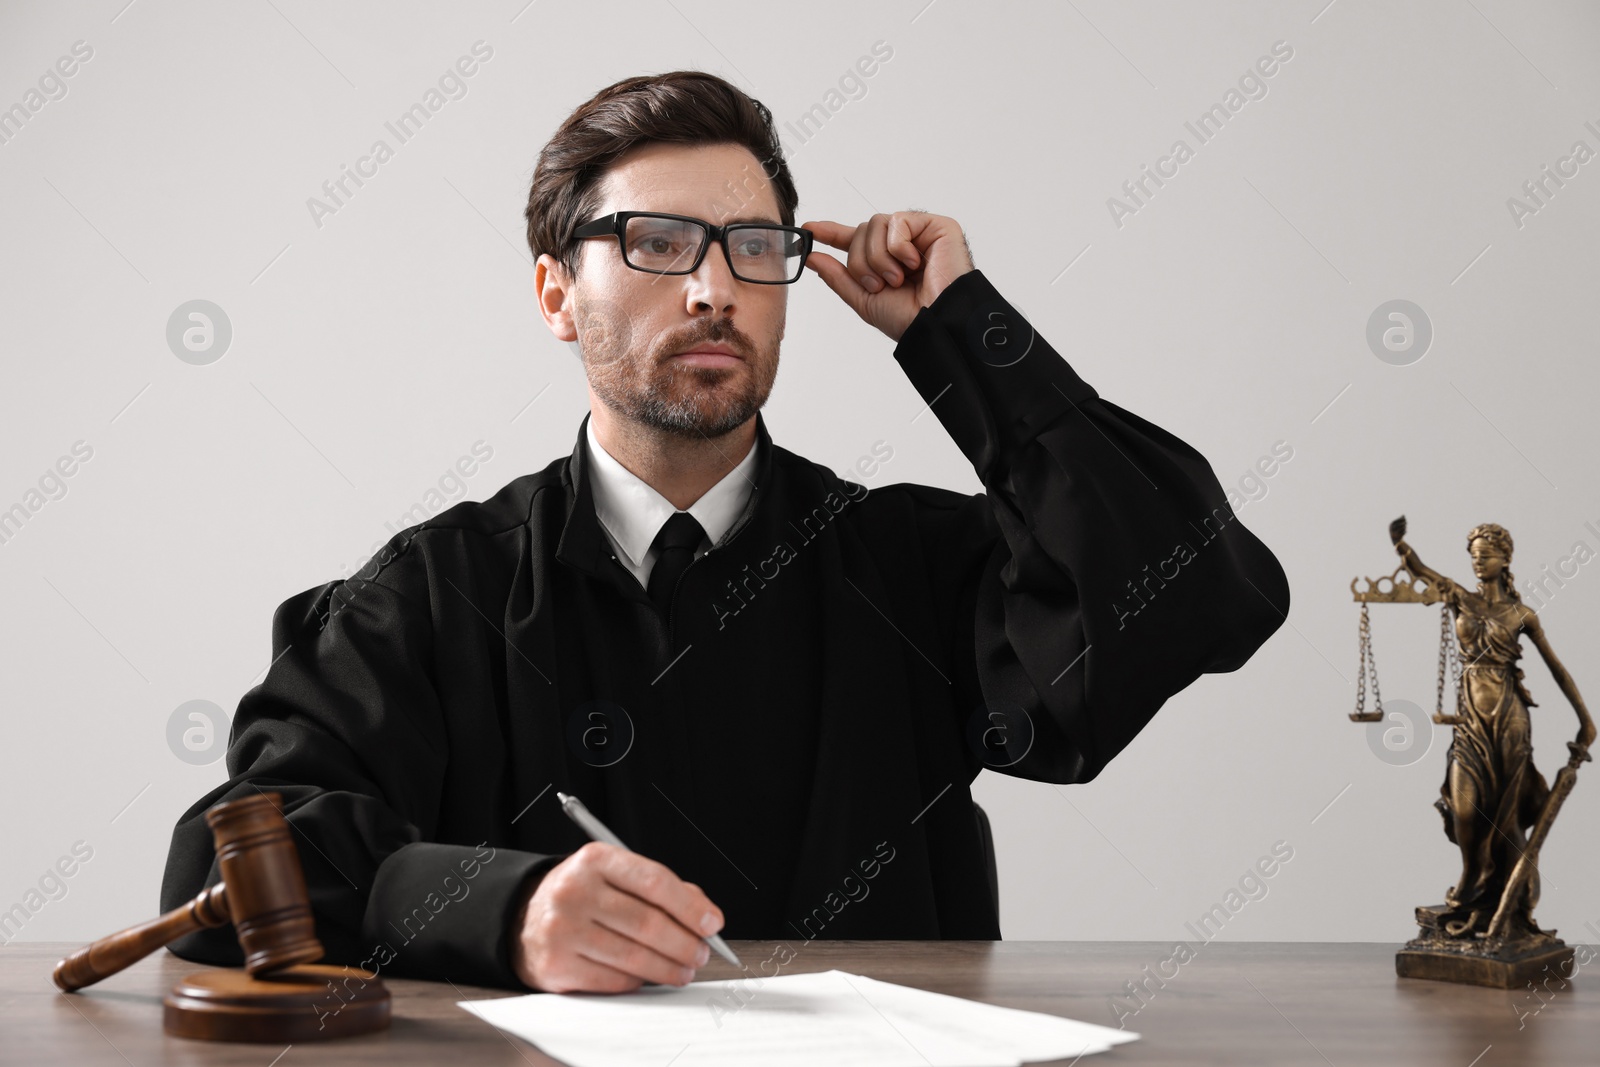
column 371, row 352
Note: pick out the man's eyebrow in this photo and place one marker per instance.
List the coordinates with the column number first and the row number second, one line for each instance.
column 752, row 218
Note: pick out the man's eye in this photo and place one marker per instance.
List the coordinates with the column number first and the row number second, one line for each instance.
column 655, row 244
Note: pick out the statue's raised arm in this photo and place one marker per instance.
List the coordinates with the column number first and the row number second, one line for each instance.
column 1414, row 565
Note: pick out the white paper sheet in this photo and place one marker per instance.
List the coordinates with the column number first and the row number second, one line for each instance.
column 799, row 1019
column 1026, row 1035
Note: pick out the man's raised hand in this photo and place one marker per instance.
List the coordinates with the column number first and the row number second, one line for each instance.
column 897, row 264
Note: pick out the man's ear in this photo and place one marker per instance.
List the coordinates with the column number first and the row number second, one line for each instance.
column 552, row 287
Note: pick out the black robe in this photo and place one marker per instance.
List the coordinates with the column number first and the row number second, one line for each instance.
column 799, row 736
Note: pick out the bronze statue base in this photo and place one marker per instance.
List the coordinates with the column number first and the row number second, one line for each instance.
column 1473, row 960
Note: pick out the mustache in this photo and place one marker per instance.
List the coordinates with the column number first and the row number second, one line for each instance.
column 720, row 331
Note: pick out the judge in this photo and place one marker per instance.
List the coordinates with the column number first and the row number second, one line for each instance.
column 774, row 684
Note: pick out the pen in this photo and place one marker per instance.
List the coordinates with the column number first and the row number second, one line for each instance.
column 597, row 830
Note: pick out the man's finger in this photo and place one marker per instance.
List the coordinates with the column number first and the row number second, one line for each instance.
column 831, row 233
column 649, row 926
column 655, row 884
column 579, row 974
column 838, row 279
column 902, row 241
column 607, row 947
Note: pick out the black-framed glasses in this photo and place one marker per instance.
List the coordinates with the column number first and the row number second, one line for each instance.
column 659, row 243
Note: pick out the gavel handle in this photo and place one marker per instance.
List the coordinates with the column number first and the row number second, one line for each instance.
column 112, row 953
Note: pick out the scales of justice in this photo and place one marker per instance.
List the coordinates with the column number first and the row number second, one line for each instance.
column 1493, row 795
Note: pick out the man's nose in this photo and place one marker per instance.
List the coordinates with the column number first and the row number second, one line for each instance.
column 712, row 284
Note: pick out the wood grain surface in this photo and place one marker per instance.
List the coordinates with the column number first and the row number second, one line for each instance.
column 1240, row 1003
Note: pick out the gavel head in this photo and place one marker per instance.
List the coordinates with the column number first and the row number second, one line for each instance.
column 263, row 883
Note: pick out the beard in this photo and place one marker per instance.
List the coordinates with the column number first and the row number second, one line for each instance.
column 667, row 395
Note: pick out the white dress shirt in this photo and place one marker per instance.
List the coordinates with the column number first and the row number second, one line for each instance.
column 632, row 513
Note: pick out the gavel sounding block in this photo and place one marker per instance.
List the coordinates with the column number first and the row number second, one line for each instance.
column 308, row 1002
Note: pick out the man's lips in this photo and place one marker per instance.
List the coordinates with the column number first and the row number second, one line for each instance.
column 710, row 356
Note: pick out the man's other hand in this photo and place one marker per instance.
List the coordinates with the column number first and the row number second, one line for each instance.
column 607, row 920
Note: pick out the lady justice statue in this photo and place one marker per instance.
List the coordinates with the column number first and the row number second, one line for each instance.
column 1492, row 793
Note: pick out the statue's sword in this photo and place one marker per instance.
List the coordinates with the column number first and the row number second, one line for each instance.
column 1517, row 884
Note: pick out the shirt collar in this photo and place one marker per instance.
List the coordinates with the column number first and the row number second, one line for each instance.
column 632, row 512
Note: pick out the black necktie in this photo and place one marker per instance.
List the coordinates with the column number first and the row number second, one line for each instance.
column 680, row 535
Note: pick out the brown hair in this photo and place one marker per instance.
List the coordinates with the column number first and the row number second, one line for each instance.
column 679, row 107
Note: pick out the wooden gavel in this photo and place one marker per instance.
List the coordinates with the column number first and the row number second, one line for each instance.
column 262, row 892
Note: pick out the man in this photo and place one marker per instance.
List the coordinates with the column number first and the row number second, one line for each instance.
column 774, row 685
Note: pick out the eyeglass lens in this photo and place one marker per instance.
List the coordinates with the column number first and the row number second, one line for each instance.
column 667, row 246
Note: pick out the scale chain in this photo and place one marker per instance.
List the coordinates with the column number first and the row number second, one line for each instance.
column 1447, row 653
column 1369, row 664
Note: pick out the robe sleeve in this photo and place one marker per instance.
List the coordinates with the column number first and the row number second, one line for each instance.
column 1101, row 571
column 347, row 727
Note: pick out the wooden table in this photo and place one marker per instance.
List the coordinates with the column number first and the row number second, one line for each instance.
column 1320, row 1004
